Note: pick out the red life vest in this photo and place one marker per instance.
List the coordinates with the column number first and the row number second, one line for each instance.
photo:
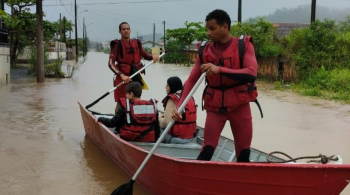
column 223, row 94
column 186, row 127
column 141, row 119
column 127, row 57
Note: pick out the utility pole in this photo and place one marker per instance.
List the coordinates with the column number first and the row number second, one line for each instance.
column 164, row 35
column 313, row 11
column 154, row 33
column 76, row 32
column 240, row 11
column 59, row 41
column 83, row 36
column 40, row 76
column 64, row 29
column 2, row 4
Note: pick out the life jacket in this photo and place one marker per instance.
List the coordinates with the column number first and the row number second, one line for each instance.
column 140, row 120
column 187, row 126
column 223, row 94
column 129, row 59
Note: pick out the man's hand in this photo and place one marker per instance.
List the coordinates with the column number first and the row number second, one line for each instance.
column 210, row 69
column 176, row 116
column 155, row 58
column 126, row 79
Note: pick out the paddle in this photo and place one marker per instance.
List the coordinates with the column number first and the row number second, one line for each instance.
column 120, row 84
column 127, row 189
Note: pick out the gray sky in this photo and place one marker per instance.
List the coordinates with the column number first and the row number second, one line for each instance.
column 104, row 16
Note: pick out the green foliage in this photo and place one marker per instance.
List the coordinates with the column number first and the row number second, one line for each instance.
column 311, row 48
column 332, row 84
column 263, row 33
column 176, row 52
column 54, row 69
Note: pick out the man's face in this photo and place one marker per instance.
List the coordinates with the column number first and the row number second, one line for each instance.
column 125, row 31
column 214, row 31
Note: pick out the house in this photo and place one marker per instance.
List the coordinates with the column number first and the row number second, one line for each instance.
column 4, row 56
column 149, row 44
column 284, row 29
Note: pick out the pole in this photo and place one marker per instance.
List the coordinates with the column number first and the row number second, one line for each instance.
column 164, row 35
column 313, row 11
column 39, row 42
column 64, row 29
column 154, row 33
column 84, row 37
column 240, row 11
column 76, row 32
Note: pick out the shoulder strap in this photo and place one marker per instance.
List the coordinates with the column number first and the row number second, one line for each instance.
column 241, row 50
column 120, row 48
column 201, row 50
column 139, row 45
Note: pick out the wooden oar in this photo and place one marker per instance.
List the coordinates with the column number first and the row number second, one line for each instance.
column 127, row 189
column 120, row 84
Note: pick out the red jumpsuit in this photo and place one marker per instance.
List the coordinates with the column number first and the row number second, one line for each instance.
column 226, row 96
column 131, row 55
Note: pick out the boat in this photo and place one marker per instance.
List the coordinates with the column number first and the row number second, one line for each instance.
column 174, row 170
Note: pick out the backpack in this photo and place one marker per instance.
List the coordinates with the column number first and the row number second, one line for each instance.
column 120, row 46
column 241, row 47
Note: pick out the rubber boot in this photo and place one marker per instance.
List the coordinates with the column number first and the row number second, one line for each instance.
column 244, row 156
column 206, row 153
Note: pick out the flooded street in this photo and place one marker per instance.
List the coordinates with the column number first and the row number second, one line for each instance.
column 44, row 149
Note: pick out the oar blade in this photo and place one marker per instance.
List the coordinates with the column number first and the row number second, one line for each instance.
column 126, row 189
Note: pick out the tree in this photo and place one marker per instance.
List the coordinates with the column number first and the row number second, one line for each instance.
column 193, row 31
column 21, row 26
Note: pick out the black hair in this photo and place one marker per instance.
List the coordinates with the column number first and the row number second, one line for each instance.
column 120, row 25
column 175, row 84
column 135, row 88
column 220, row 16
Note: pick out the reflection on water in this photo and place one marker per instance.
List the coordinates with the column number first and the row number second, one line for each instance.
column 44, row 149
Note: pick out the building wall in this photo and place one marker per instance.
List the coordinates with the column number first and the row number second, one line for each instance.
column 4, row 65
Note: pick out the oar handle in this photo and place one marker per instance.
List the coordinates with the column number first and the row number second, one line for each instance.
column 160, row 139
column 121, row 83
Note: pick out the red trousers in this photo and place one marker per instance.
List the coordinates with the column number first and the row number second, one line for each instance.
column 241, row 126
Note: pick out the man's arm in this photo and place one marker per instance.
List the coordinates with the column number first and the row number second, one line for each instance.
column 117, row 119
column 249, row 71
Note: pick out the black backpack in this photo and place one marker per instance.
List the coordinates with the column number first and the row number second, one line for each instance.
column 241, row 47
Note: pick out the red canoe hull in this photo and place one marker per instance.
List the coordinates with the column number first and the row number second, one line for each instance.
column 164, row 175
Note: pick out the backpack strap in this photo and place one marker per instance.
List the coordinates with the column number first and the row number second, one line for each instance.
column 241, row 50
column 120, row 48
column 201, row 50
column 139, row 45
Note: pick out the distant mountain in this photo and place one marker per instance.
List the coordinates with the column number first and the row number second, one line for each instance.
column 302, row 14
column 149, row 37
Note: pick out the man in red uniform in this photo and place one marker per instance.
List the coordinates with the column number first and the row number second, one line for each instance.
column 127, row 53
column 230, row 87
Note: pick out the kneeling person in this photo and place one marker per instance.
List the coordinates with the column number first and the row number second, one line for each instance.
column 136, row 120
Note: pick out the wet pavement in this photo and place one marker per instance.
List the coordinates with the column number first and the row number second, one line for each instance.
column 44, row 149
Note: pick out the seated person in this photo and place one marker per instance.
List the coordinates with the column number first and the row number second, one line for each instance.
column 136, row 119
column 183, row 130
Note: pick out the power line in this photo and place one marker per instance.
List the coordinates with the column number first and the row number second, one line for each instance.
column 126, row 2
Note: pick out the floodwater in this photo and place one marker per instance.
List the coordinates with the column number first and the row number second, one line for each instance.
column 44, row 149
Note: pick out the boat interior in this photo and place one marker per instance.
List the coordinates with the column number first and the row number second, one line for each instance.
column 225, row 151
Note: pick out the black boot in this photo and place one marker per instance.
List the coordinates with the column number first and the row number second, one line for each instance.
column 244, row 156
column 206, row 153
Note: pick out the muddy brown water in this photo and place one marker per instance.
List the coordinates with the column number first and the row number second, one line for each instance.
column 44, row 150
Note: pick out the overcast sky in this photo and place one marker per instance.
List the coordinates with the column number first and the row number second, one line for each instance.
column 104, row 16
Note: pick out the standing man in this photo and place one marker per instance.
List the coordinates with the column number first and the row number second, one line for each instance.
column 127, row 53
column 230, row 86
